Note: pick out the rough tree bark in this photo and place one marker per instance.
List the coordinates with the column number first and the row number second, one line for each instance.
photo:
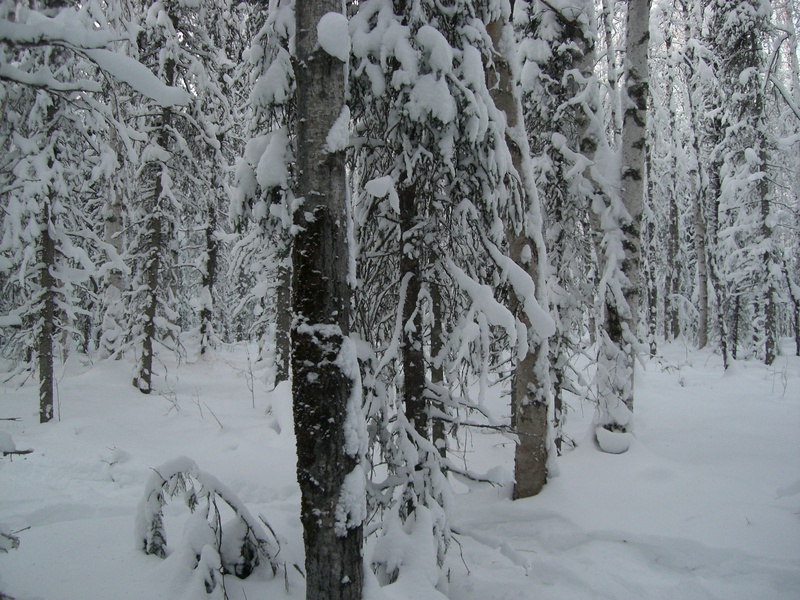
column 143, row 380
column 46, row 327
column 322, row 373
column 209, row 276
column 46, row 251
column 413, row 354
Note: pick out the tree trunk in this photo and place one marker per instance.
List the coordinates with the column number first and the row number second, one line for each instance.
column 634, row 140
column 143, row 380
column 110, row 331
column 530, row 389
column 770, row 292
column 323, row 369
column 673, row 276
column 437, row 369
column 698, row 218
column 45, row 329
column 618, row 337
column 209, row 277
column 650, row 232
column 652, row 292
column 715, row 272
column 412, row 346
column 672, row 288
column 283, row 318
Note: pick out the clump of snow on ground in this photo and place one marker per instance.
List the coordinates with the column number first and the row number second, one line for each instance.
column 7, row 442
column 704, row 504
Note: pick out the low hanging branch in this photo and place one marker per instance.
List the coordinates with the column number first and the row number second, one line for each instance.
column 236, row 547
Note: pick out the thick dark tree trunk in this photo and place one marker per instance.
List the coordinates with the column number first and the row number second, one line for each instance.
column 321, row 383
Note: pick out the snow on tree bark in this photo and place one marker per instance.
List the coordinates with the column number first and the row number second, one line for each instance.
column 748, row 267
column 530, row 388
column 322, row 387
column 555, row 80
column 154, row 246
column 619, row 223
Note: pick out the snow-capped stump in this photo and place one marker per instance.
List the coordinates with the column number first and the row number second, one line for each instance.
column 613, row 441
column 238, row 546
column 7, row 444
column 8, row 447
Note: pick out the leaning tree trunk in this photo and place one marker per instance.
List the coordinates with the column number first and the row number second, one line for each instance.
column 323, row 360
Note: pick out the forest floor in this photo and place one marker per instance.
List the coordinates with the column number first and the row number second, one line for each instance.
column 705, row 504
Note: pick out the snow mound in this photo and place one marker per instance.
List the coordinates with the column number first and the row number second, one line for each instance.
column 613, row 442
column 7, row 442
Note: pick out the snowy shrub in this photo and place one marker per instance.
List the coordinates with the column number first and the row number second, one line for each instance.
column 8, row 541
column 236, row 546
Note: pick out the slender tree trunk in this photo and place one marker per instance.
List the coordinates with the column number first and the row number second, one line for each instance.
column 437, row 369
column 412, row 347
column 652, row 292
column 46, row 327
column 209, row 277
column 734, row 329
column 770, row 292
column 143, row 380
column 619, row 340
column 530, row 388
column 617, row 117
column 283, row 319
column 715, row 272
column 674, row 266
column 650, row 270
column 323, row 369
column 673, row 277
column 634, row 139
column 701, row 252
column 699, row 200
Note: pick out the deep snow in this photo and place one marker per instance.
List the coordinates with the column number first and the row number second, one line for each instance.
column 705, row 504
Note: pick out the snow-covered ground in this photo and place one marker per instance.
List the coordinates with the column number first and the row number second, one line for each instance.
column 705, row 504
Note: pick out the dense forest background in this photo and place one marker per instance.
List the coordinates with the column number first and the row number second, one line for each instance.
column 531, row 194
